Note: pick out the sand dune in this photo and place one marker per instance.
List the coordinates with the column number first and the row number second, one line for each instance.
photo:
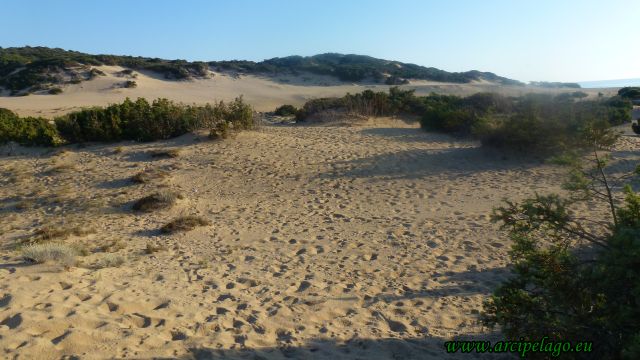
column 369, row 242
column 265, row 94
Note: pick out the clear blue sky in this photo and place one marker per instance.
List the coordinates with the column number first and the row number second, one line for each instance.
column 554, row 40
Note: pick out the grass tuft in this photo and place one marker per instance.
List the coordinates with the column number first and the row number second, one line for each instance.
column 109, row 260
column 50, row 252
column 149, row 176
column 184, row 223
column 163, row 199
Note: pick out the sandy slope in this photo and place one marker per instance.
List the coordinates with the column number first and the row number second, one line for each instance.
column 368, row 242
column 265, row 94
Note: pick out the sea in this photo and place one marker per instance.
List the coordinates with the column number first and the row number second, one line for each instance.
column 610, row 83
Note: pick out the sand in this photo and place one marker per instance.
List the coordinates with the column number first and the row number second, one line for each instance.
column 369, row 242
column 265, row 94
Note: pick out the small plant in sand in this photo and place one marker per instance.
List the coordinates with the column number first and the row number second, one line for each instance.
column 163, row 199
column 118, row 150
column 184, row 223
column 50, row 252
column 112, row 246
column 55, row 91
column 154, row 248
column 149, row 176
column 109, row 260
column 129, row 84
column 170, row 153
column 60, row 232
column 61, row 168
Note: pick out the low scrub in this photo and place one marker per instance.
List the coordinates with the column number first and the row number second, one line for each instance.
column 143, row 121
column 109, row 260
column 50, row 253
column 286, row 110
column 28, row 130
column 184, row 223
column 59, row 232
column 164, row 199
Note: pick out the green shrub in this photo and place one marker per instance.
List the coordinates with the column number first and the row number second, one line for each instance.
column 28, row 130
column 568, row 295
column 129, row 84
column 286, row 110
column 631, row 93
column 164, row 199
column 55, row 91
column 141, row 121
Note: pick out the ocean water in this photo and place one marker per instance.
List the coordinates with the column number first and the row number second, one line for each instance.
column 610, row 83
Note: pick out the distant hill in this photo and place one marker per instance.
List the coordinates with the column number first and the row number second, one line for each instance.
column 28, row 69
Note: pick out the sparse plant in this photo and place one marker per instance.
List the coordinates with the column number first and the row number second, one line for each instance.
column 154, row 248
column 163, row 199
column 109, row 260
column 170, row 153
column 184, row 224
column 55, row 91
column 50, row 252
column 59, row 232
column 130, row 84
column 150, row 175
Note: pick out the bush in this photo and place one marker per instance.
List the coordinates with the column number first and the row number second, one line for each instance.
column 164, row 199
column 565, row 294
column 28, row 130
column 631, row 93
column 286, row 110
column 636, row 128
column 50, row 252
column 141, row 121
column 129, row 84
column 55, row 91
column 184, row 223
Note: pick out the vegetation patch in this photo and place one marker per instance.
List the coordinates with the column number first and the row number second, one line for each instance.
column 50, row 253
column 59, row 232
column 170, row 153
column 164, row 199
column 150, row 175
column 109, row 260
column 286, row 110
column 184, row 223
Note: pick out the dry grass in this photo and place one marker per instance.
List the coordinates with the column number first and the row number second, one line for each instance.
column 110, row 260
column 50, row 252
column 118, row 150
column 163, row 199
column 61, row 168
column 149, row 176
column 171, row 153
column 153, row 248
column 184, row 223
column 113, row 246
column 60, row 232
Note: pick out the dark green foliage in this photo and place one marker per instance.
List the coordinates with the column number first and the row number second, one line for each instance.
column 141, row 121
column 55, row 91
column 366, row 103
column 394, row 80
column 130, row 84
column 286, row 110
column 631, row 93
column 28, row 130
column 636, row 128
column 568, row 293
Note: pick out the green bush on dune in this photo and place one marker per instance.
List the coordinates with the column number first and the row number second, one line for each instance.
column 568, row 295
column 130, row 120
column 27, row 130
column 139, row 120
column 537, row 124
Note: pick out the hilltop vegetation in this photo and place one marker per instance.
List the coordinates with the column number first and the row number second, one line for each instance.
column 28, row 69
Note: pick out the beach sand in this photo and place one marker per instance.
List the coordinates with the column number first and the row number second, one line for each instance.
column 369, row 242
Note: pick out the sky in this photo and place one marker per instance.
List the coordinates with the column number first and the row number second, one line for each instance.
column 527, row 40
